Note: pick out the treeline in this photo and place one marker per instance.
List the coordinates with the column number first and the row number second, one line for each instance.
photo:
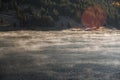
column 49, row 10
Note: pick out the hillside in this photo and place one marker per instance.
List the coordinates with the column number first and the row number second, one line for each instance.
column 46, row 13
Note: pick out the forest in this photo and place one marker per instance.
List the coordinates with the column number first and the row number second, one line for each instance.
column 44, row 13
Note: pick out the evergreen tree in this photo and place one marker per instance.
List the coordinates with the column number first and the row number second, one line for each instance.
column 0, row 4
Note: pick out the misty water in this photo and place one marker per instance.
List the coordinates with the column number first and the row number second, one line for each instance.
column 60, row 55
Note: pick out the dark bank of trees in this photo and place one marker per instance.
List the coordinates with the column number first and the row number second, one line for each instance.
column 48, row 11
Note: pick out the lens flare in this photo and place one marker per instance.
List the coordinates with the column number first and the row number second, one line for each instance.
column 93, row 17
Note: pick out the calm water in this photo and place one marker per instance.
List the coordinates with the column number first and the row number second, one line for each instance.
column 60, row 55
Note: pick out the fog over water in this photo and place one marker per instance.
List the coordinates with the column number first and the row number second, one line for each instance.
column 60, row 55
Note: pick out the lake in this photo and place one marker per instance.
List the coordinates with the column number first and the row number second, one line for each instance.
column 60, row 55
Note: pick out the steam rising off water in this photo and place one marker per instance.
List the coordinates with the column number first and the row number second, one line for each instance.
column 61, row 54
